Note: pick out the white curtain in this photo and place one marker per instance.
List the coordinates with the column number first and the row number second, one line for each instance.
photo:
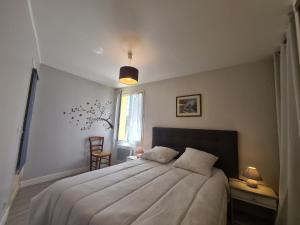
column 135, row 119
column 287, row 84
column 117, row 117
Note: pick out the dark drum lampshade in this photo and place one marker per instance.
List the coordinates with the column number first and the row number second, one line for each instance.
column 128, row 75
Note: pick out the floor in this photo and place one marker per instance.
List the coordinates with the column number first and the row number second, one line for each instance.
column 19, row 212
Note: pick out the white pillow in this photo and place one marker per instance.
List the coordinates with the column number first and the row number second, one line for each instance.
column 196, row 161
column 160, row 154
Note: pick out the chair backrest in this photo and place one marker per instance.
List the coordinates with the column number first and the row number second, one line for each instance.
column 96, row 143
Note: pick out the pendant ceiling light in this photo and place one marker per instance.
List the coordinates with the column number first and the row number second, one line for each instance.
column 129, row 75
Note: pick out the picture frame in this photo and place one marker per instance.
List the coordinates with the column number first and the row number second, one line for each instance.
column 188, row 106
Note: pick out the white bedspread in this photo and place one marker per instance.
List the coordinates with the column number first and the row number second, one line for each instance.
column 138, row 192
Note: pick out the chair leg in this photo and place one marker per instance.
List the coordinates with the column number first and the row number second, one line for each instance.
column 109, row 160
column 99, row 163
column 91, row 162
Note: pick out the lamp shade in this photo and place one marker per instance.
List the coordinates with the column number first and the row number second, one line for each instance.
column 128, row 75
column 139, row 151
column 252, row 173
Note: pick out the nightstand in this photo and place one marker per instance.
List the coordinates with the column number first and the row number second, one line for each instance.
column 252, row 206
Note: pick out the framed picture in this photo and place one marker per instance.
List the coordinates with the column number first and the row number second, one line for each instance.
column 188, row 106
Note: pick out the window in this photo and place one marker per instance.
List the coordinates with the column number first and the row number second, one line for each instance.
column 130, row 119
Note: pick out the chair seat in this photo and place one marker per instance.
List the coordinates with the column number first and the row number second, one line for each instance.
column 100, row 154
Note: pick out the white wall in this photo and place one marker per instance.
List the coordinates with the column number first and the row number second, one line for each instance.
column 17, row 49
column 240, row 98
column 55, row 144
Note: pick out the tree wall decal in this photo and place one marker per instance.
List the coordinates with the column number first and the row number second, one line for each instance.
column 85, row 116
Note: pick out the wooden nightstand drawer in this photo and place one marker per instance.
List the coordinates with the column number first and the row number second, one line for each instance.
column 255, row 206
column 267, row 202
column 245, row 213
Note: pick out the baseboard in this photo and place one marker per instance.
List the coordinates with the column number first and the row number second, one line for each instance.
column 16, row 188
column 53, row 176
column 4, row 216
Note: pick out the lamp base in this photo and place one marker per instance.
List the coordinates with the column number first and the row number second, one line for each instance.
column 252, row 183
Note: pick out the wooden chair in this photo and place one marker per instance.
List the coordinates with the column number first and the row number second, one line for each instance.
column 97, row 155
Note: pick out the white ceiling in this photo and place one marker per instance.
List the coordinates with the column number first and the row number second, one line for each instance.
column 169, row 38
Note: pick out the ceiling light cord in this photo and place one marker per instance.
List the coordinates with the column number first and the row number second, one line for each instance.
column 130, row 56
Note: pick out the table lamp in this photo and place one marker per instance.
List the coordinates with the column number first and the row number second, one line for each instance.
column 252, row 175
column 139, row 151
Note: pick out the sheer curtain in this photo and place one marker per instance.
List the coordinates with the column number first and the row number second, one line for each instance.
column 117, row 117
column 287, row 85
column 135, row 119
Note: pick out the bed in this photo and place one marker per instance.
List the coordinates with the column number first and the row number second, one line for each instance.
column 143, row 192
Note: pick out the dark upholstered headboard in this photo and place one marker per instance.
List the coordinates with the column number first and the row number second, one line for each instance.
column 221, row 143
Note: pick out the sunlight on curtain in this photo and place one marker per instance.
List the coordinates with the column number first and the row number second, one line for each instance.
column 130, row 119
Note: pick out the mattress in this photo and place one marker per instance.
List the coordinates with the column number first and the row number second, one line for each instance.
column 138, row 192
